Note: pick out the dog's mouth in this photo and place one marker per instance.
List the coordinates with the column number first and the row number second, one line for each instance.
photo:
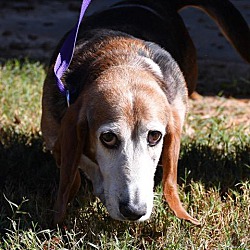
column 118, row 209
column 121, row 210
column 126, row 209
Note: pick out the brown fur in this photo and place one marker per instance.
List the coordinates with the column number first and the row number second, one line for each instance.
column 110, row 62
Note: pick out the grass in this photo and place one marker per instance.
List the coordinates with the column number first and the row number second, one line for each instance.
column 214, row 183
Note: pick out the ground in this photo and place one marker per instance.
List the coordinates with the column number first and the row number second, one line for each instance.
column 32, row 28
column 213, row 173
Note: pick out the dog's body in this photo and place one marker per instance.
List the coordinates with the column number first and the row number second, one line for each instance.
column 132, row 70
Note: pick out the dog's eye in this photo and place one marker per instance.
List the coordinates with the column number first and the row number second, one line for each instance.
column 154, row 137
column 109, row 139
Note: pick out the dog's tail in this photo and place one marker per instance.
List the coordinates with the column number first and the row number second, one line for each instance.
column 228, row 18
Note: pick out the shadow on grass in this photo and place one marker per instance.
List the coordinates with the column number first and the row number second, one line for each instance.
column 215, row 168
column 28, row 171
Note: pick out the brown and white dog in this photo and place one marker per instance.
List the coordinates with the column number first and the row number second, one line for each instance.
column 132, row 70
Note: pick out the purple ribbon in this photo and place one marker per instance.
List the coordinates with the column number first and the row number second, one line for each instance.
column 66, row 52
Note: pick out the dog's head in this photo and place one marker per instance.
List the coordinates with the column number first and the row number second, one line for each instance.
column 127, row 121
column 117, row 128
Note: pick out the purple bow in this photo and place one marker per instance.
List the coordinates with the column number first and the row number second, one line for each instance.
column 66, row 52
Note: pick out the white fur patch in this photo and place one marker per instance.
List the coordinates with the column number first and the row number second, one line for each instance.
column 92, row 171
column 153, row 66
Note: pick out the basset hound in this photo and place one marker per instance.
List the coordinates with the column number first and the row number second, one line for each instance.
column 133, row 68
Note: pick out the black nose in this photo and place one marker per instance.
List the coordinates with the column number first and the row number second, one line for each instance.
column 132, row 212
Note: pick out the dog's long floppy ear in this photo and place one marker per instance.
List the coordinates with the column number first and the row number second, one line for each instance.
column 67, row 151
column 176, row 92
column 170, row 157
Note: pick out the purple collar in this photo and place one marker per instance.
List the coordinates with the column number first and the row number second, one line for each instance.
column 66, row 53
